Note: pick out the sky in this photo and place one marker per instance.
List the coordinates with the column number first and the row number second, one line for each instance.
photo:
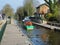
column 38, row 2
column 15, row 3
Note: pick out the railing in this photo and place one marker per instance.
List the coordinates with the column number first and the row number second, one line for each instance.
column 2, row 30
column 48, row 26
column 54, row 24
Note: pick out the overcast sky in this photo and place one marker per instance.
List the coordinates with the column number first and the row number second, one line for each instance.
column 15, row 3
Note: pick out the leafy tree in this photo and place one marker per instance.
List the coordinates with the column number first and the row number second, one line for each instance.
column 20, row 13
column 16, row 16
column 58, row 5
column 8, row 10
column 51, row 4
column 26, row 10
column 28, row 7
column 53, row 9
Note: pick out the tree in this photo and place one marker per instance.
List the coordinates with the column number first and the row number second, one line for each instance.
column 20, row 13
column 28, row 7
column 8, row 10
column 52, row 5
column 26, row 10
column 53, row 8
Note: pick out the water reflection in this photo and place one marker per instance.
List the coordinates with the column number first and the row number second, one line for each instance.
column 43, row 36
column 54, row 37
column 36, row 36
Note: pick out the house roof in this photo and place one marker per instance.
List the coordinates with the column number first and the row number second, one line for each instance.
column 42, row 9
column 41, row 5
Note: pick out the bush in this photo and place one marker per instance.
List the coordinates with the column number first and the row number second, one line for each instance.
column 47, row 16
column 51, row 17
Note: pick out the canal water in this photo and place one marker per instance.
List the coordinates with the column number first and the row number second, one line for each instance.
column 43, row 36
column 54, row 37
column 36, row 36
column 39, row 36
